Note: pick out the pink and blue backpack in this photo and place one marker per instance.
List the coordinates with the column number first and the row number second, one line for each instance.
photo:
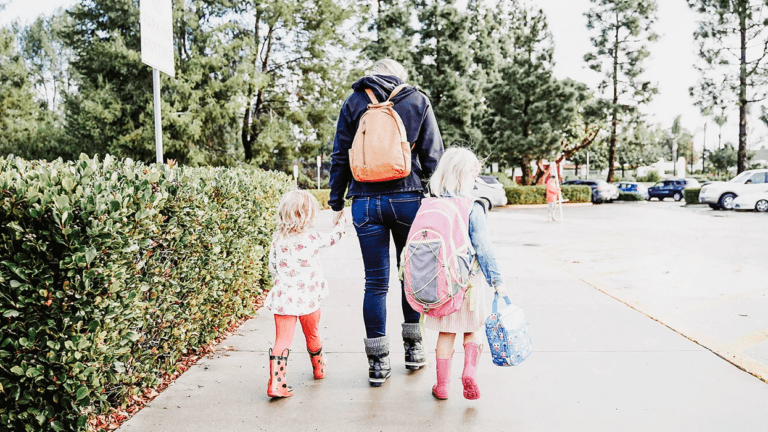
column 436, row 262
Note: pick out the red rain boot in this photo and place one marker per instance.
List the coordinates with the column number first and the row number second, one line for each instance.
column 441, row 389
column 278, row 376
column 469, row 376
column 318, row 363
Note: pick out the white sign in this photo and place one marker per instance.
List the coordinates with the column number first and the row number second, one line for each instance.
column 157, row 35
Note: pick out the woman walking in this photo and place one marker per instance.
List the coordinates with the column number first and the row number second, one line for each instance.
column 386, row 208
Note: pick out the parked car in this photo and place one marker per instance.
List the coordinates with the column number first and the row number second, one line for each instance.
column 720, row 195
column 602, row 191
column 490, row 189
column 692, row 183
column 672, row 188
column 632, row 187
column 754, row 201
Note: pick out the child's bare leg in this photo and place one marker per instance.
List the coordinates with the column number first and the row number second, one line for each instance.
column 445, row 342
column 470, row 337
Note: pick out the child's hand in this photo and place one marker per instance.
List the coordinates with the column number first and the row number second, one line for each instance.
column 501, row 290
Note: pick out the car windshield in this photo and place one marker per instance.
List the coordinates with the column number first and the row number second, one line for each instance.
column 659, row 184
column 741, row 177
column 489, row 179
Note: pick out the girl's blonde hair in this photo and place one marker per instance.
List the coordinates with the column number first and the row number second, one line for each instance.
column 296, row 213
column 455, row 173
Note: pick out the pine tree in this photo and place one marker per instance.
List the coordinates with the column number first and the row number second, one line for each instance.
column 528, row 109
column 393, row 35
column 624, row 28
column 444, row 69
column 733, row 51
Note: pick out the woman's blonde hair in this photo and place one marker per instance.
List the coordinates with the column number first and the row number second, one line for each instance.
column 389, row 67
column 455, row 173
column 296, row 213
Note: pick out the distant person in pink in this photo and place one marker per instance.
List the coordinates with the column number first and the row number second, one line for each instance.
column 553, row 194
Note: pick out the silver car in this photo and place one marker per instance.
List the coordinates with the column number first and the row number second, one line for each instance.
column 489, row 189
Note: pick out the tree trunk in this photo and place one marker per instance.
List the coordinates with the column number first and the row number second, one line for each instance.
column 525, row 166
column 615, row 115
column 245, row 133
column 741, row 164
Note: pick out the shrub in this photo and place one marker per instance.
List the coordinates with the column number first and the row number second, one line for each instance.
column 538, row 194
column 505, row 180
column 110, row 271
column 651, row 177
column 577, row 194
column 691, row 196
column 323, row 195
column 630, row 196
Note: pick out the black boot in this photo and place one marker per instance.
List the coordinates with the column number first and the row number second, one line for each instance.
column 415, row 358
column 379, row 369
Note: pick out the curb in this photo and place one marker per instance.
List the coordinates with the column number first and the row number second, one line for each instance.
column 540, row 206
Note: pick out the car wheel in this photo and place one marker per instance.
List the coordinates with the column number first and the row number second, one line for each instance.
column 677, row 196
column 726, row 201
column 487, row 203
column 762, row 206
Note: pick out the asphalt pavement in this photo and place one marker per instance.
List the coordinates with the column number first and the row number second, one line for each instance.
column 616, row 295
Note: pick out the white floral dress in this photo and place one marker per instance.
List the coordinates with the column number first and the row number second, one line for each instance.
column 297, row 274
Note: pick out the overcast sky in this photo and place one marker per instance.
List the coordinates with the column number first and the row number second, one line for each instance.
column 670, row 65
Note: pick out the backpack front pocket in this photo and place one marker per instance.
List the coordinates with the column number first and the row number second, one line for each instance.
column 427, row 269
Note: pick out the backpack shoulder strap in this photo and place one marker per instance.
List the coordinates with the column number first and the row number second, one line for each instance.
column 396, row 91
column 371, row 96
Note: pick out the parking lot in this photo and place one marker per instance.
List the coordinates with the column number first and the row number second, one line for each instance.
column 700, row 272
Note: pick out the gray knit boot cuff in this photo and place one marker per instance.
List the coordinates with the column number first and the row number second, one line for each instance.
column 377, row 346
column 412, row 331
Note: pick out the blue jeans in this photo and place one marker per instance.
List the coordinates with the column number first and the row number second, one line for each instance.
column 375, row 218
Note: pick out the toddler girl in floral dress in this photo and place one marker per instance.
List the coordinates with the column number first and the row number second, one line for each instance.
column 299, row 285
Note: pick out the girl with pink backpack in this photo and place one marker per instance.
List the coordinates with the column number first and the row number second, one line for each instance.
column 454, row 178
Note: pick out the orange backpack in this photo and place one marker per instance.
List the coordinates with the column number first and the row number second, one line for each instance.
column 380, row 151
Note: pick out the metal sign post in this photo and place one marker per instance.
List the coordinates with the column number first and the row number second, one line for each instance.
column 318, row 172
column 156, row 17
column 296, row 175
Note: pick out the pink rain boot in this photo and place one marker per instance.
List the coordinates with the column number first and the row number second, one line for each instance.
column 440, row 390
column 469, row 376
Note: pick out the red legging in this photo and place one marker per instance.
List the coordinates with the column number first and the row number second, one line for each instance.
column 285, row 327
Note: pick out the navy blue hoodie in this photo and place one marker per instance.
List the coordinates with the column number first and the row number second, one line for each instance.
column 420, row 125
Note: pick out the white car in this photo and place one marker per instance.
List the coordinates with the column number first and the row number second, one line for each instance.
column 721, row 194
column 755, row 201
column 489, row 189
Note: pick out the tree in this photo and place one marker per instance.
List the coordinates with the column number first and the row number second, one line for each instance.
column 720, row 121
column 586, row 124
column 19, row 113
column 723, row 158
column 733, row 47
column 393, row 35
column 293, row 51
column 528, row 109
column 445, row 61
column 47, row 58
column 624, row 28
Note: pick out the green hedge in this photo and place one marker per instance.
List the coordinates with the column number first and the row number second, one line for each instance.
column 538, row 194
column 110, row 271
column 691, row 196
column 630, row 196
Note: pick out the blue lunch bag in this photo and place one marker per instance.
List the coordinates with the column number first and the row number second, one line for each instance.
column 507, row 331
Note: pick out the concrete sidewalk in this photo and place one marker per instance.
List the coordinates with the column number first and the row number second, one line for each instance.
column 597, row 365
